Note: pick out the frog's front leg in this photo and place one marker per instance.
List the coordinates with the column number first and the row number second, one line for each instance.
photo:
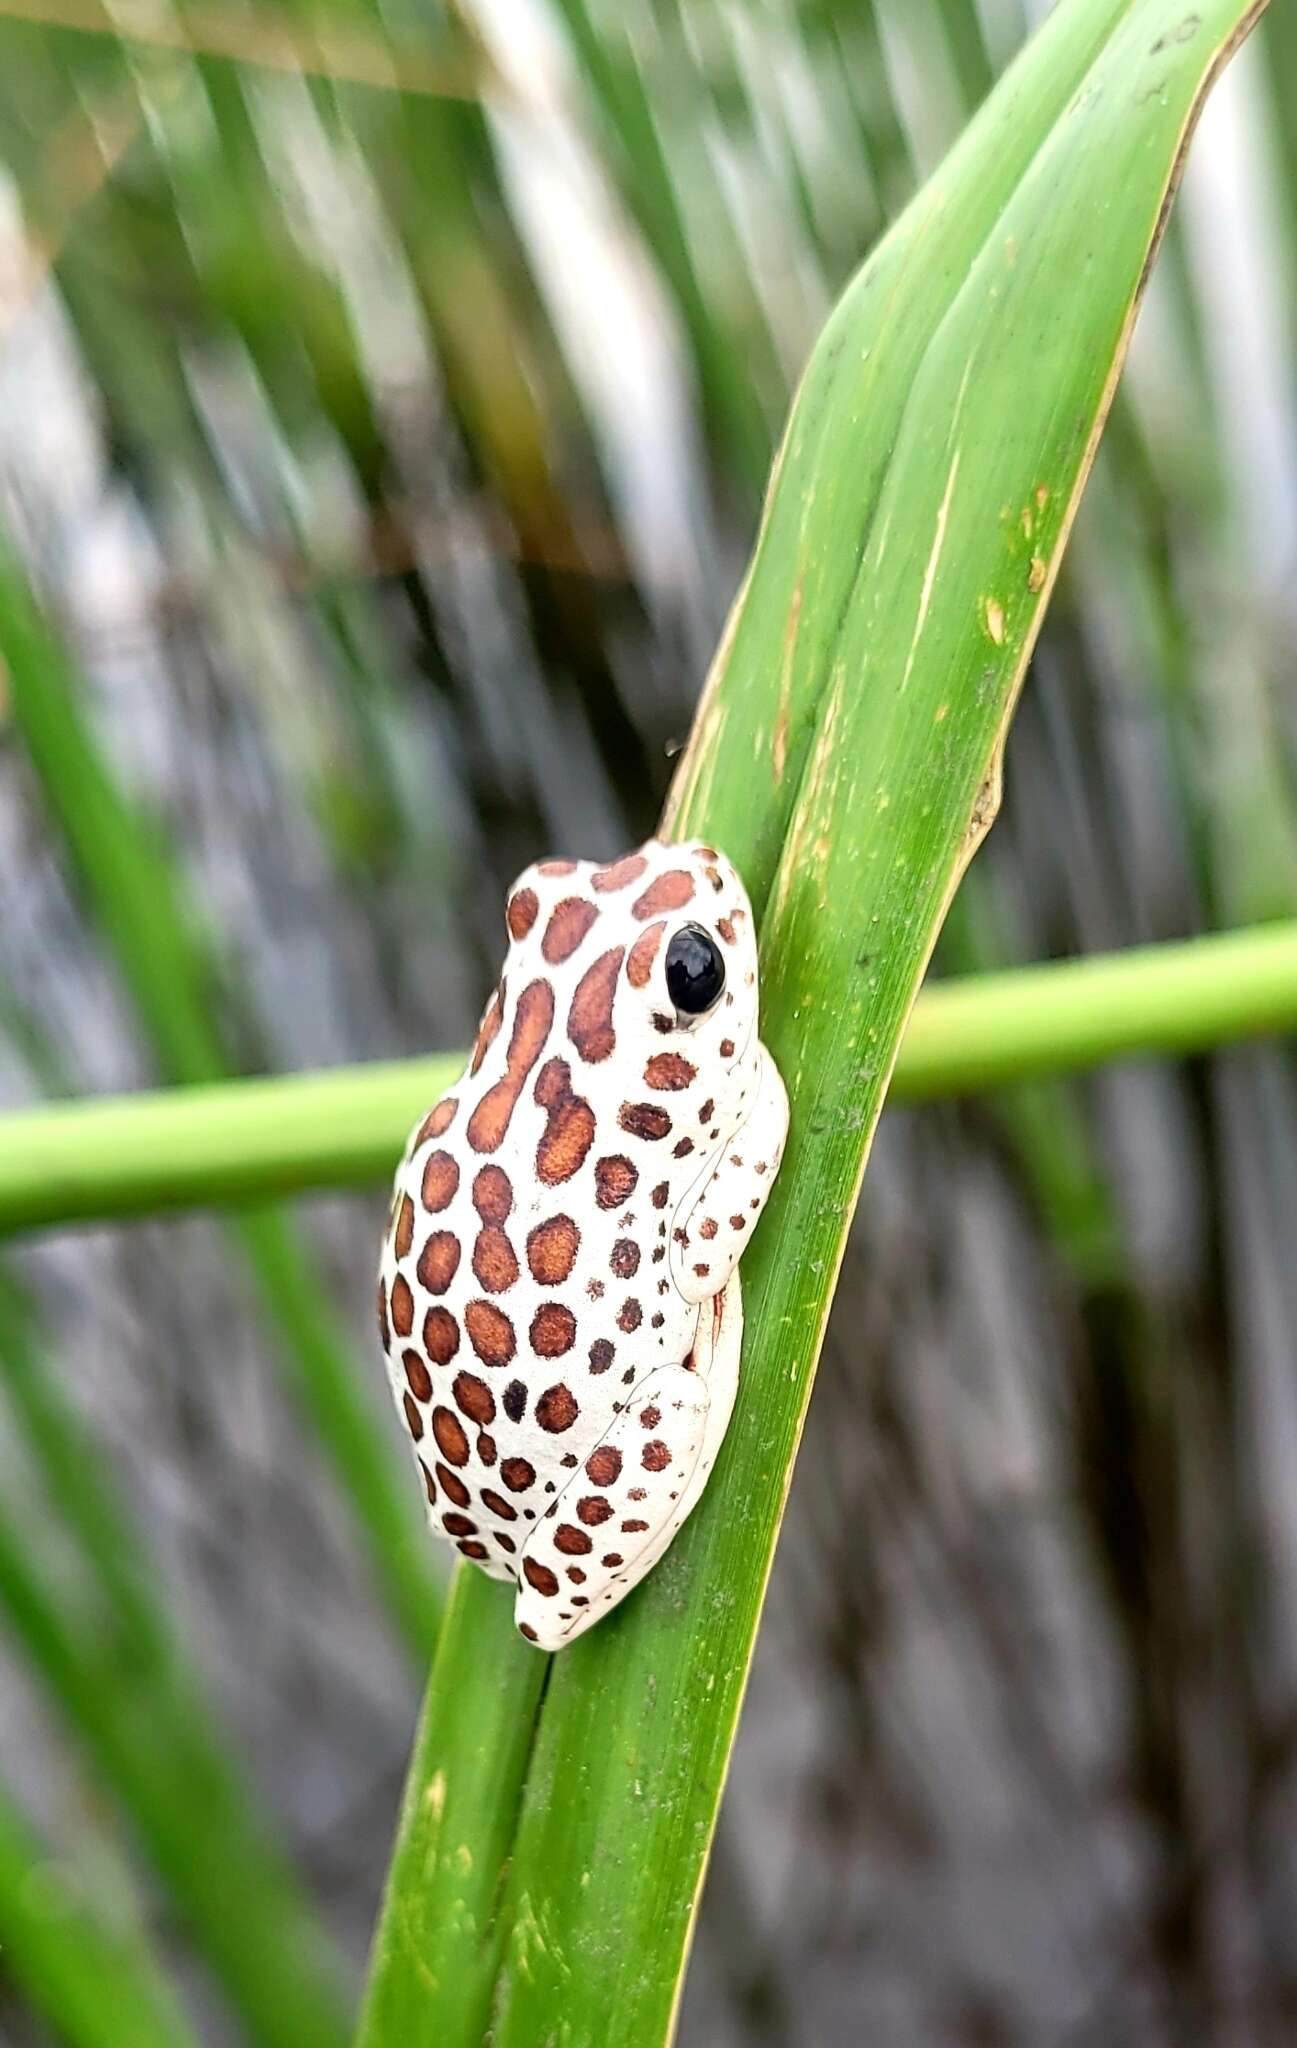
column 709, row 1237
column 620, row 1512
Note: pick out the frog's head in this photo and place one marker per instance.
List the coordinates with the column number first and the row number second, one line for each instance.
column 656, row 948
column 695, row 956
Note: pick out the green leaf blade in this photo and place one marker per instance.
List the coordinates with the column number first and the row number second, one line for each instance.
column 995, row 436
column 847, row 755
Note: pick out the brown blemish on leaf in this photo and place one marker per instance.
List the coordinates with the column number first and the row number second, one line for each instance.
column 779, row 743
column 779, row 737
column 986, row 808
column 995, row 620
column 1184, row 32
column 1036, row 574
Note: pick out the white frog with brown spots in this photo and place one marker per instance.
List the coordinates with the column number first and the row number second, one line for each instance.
column 558, row 1297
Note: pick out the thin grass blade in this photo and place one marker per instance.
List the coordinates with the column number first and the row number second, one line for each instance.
column 94, row 1985
column 175, row 984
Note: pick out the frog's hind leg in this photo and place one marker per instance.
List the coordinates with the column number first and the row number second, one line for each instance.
column 620, row 1512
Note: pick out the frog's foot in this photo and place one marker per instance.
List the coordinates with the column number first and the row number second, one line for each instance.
column 711, row 1234
column 620, row 1512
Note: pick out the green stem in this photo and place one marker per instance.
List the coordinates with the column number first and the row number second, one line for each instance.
column 986, row 1030
column 239, row 1140
column 438, row 1912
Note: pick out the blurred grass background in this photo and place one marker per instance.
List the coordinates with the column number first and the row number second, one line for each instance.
column 385, row 398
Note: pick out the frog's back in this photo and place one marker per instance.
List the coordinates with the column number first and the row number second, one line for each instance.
column 526, row 1280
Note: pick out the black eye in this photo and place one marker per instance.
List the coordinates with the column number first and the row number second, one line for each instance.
column 695, row 970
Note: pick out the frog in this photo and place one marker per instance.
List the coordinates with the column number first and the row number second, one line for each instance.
column 559, row 1301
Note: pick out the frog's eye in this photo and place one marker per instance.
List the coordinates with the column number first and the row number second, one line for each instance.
column 695, row 971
